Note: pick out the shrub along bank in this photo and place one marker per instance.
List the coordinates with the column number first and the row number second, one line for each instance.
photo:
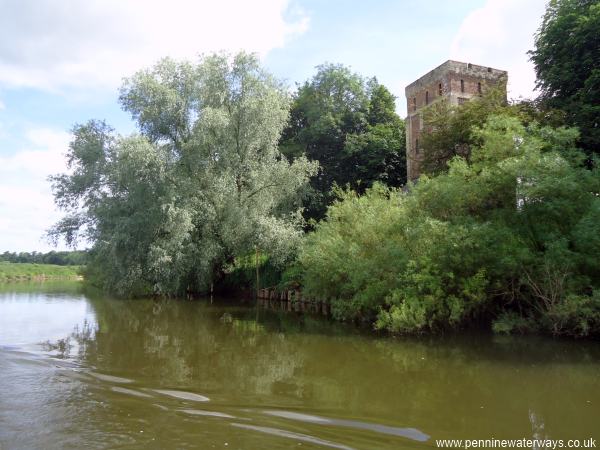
column 510, row 237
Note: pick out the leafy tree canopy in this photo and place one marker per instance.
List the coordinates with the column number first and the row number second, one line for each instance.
column 202, row 182
column 350, row 126
column 450, row 131
column 567, row 64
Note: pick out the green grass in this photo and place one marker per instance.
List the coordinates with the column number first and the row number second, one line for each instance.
column 28, row 271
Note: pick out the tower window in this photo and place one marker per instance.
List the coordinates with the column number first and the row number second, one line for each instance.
column 427, row 97
column 469, row 66
column 489, row 69
column 414, row 101
column 479, row 87
column 462, row 85
column 440, row 91
column 417, row 146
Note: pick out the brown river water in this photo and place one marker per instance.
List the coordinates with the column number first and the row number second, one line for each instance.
column 84, row 371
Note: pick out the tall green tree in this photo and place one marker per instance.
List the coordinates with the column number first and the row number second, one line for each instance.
column 567, row 64
column 349, row 125
column 378, row 154
column 202, row 182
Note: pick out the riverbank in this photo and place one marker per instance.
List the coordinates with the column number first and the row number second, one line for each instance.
column 36, row 272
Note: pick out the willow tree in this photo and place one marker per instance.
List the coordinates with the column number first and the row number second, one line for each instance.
column 203, row 181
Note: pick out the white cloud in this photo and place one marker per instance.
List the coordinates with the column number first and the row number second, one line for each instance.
column 2, row 105
column 44, row 154
column 499, row 34
column 48, row 44
column 26, row 203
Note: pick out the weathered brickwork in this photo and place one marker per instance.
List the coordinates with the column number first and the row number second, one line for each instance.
column 455, row 81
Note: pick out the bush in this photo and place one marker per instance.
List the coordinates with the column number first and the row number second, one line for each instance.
column 509, row 237
column 510, row 322
column 577, row 315
column 348, row 258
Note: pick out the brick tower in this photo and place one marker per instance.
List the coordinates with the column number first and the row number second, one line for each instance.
column 455, row 81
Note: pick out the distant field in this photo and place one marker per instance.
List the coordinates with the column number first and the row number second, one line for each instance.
column 27, row 271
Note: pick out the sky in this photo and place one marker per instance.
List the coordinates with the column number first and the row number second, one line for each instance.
column 62, row 62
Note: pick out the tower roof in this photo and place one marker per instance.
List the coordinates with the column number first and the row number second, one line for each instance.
column 457, row 67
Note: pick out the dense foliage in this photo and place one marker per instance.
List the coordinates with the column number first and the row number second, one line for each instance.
column 203, row 182
column 349, row 125
column 567, row 64
column 73, row 258
column 510, row 237
column 449, row 129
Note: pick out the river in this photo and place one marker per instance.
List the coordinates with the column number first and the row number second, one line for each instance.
column 81, row 370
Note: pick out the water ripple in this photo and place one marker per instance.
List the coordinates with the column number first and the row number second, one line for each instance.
column 110, row 378
column 182, row 395
column 133, row 392
column 291, row 435
column 410, row 433
column 201, row 412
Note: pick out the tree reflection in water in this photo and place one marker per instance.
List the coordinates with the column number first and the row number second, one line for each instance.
column 474, row 386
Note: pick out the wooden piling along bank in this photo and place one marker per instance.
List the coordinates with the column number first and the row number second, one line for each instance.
column 291, row 300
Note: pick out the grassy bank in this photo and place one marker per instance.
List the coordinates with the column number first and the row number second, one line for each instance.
column 27, row 271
